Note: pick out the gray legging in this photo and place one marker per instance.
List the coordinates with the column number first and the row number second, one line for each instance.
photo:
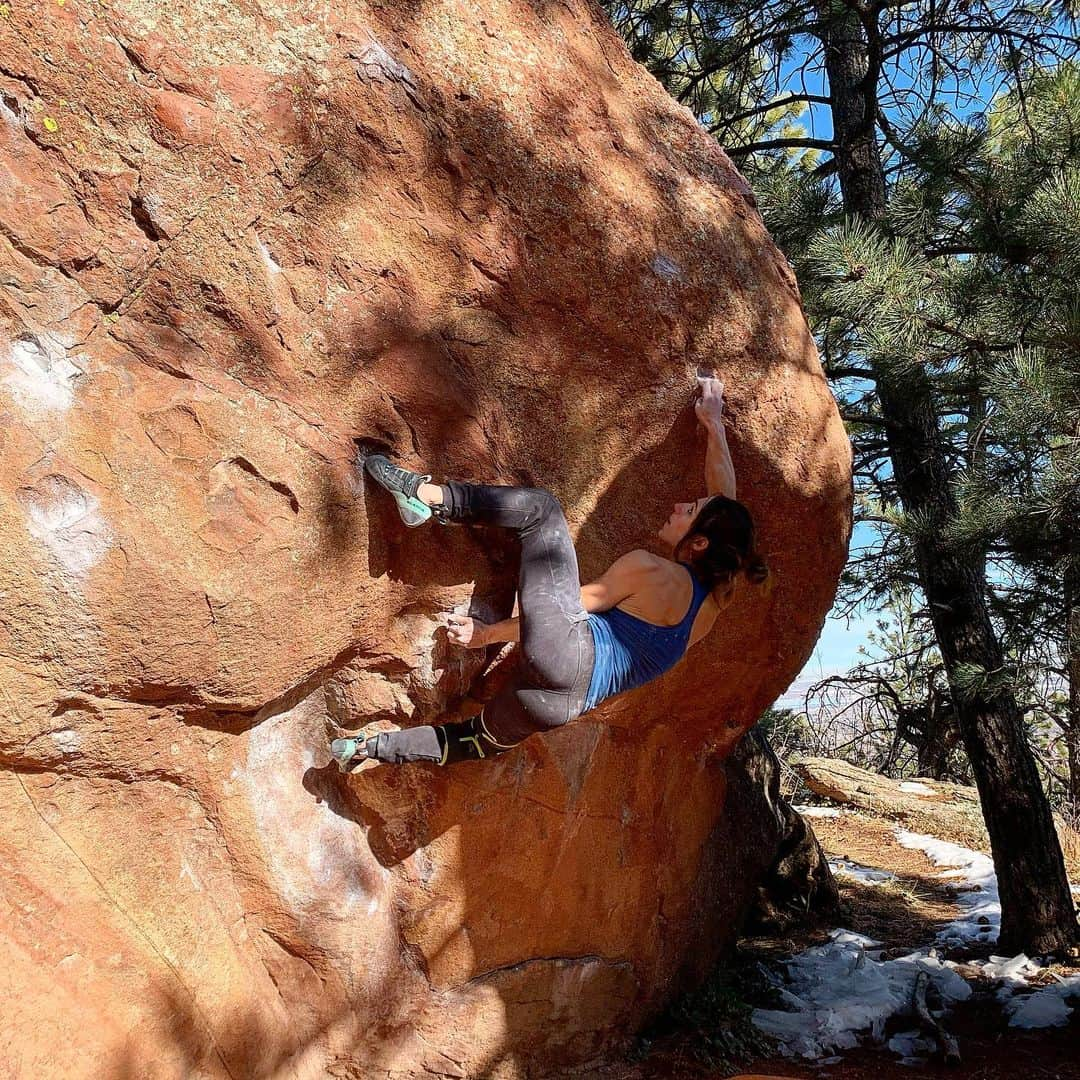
column 556, row 652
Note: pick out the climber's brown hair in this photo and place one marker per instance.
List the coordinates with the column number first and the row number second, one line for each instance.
column 728, row 527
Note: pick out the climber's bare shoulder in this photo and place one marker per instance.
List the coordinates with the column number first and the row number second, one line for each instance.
column 630, row 576
column 657, row 590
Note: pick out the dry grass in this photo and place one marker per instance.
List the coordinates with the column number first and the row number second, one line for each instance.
column 906, row 912
column 1069, row 835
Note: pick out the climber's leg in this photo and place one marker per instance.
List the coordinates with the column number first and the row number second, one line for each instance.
column 556, row 643
column 556, row 661
column 445, row 744
column 549, row 584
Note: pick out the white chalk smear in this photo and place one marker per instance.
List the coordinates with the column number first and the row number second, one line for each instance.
column 10, row 115
column 667, row 269
column 315, row 854
column 269, row 261
column 374, row 62
column 187, row 872
column 39, row 376
column 67, row 741
column 67, row 520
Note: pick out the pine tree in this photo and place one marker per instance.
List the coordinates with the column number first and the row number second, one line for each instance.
column 880, row 218
column 1025, row 496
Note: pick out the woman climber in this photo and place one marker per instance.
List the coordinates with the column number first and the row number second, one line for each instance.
column 578, row 644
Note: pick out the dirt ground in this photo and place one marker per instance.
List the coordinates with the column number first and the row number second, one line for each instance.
column 903, row 915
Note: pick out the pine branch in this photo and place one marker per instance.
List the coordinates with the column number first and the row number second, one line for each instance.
column 728, row 60
column 844, row 372
column 917, row 37
column 772, row 105
column 826, row 168
column 866, row 421
column 777, row 144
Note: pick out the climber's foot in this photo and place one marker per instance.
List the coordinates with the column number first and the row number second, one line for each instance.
column 403, row 485
column 349, row 753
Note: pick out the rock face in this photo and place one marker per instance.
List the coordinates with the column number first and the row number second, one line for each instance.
column 921, row 804
column 234, row 239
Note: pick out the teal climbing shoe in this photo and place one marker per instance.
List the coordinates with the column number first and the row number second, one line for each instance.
column 349, row 753
column 403, row 485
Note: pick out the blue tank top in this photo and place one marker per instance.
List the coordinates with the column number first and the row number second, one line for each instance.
column 630, row 651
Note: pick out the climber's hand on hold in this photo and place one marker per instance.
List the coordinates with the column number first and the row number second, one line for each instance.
column 463, row 630
column 709, row 406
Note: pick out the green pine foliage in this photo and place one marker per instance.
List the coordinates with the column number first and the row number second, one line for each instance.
column 970, row 279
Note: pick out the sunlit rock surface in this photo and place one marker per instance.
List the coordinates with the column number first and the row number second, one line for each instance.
column 234, row 238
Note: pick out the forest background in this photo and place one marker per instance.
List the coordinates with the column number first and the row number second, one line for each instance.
column 918, row 161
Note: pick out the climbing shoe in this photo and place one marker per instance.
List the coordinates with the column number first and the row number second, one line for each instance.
column 403, row 485
column 349, row 753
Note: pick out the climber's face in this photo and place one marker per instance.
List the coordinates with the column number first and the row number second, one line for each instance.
column 678, row 524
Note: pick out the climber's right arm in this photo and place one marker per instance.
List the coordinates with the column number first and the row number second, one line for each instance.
column 506, row 630
column 719, row 470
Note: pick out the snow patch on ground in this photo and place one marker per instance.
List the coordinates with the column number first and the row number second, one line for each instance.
column 972, row 873
column 865, row 875
column 912, row 1046
column 841, row 991
column 1046, row 1007
column 818, row 811
column 980, row 921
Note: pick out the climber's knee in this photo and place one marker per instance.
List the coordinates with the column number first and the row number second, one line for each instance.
column 538, row 503
column 544, row 708
column 546, row 503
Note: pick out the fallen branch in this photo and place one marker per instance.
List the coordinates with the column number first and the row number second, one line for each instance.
column 949, row 1047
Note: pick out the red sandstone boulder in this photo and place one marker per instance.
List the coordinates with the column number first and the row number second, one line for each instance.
column 233, row 240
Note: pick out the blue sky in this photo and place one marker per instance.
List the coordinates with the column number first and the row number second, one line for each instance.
column 837, row 647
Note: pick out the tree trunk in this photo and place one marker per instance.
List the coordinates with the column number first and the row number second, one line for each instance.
column 1037, row 914
column 939, row 737
column 1072, row 664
